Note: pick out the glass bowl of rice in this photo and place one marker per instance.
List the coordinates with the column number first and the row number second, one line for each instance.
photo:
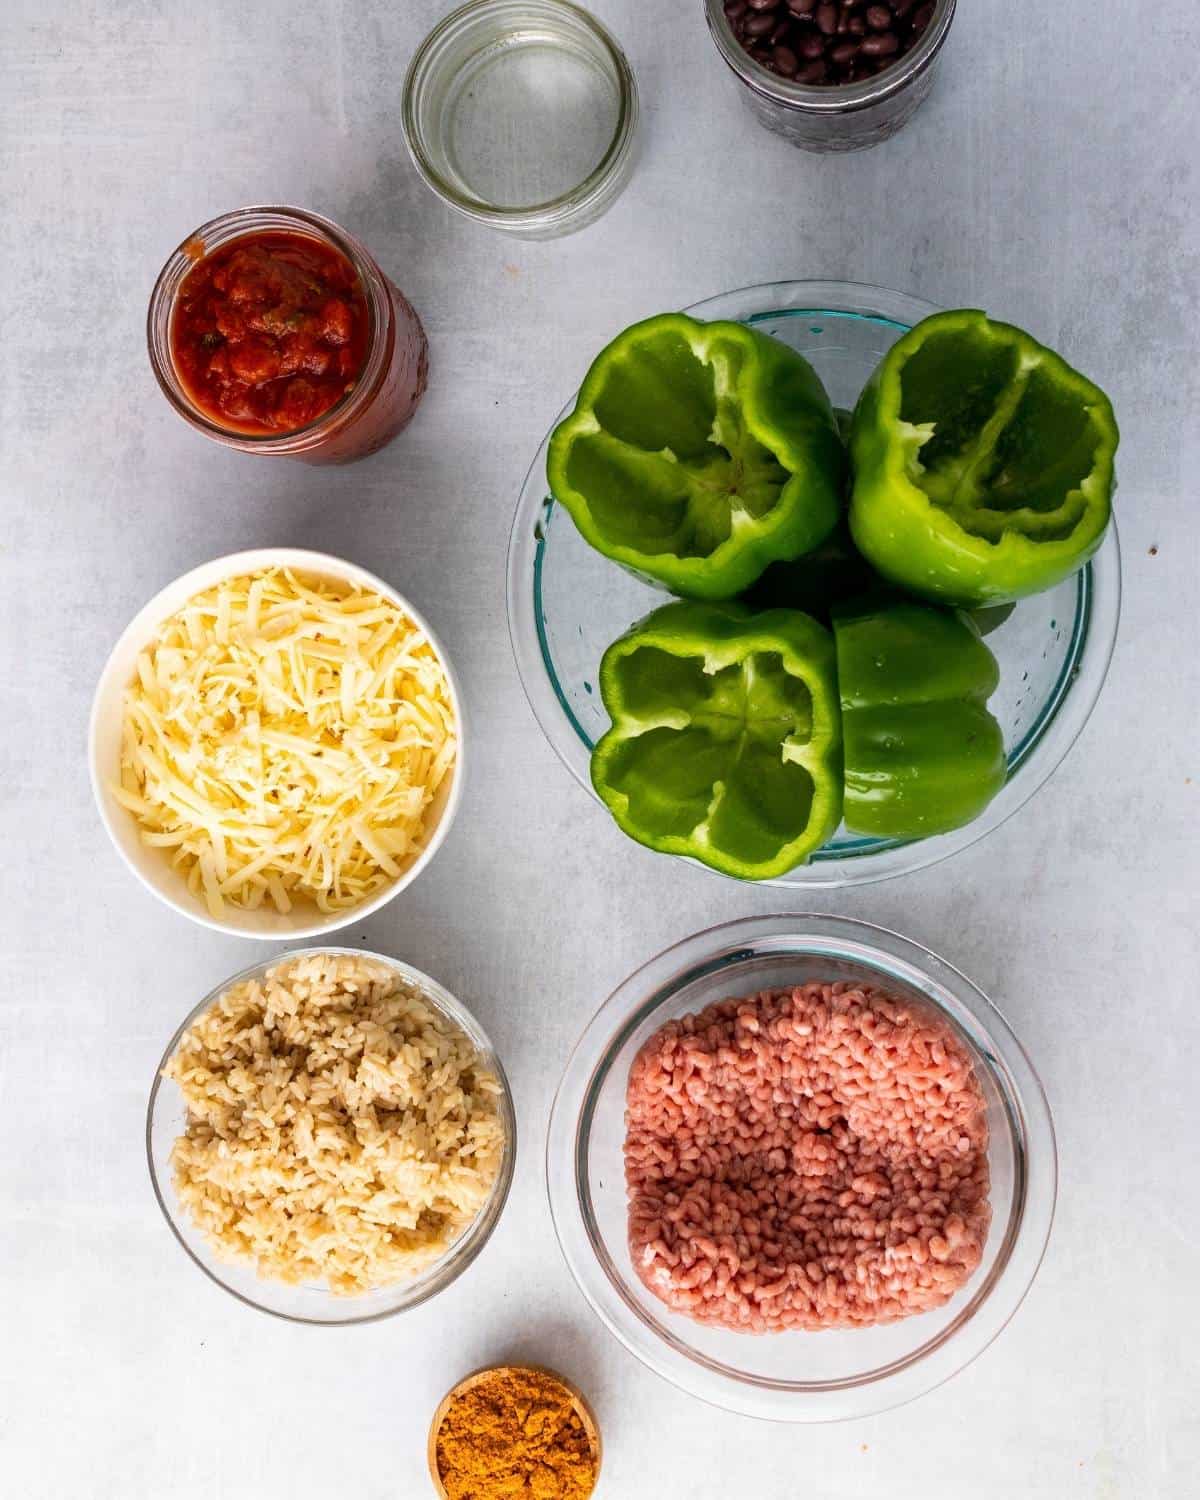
column 331, row 1136
column 829, row 1368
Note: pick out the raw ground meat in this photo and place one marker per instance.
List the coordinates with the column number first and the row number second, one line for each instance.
column 805, row 1158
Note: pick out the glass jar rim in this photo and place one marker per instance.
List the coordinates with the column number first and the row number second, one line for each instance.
column 829, row 98
column 574, row 200
column 224, row 229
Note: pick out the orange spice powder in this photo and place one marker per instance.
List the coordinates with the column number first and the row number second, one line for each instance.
column 515, row 1435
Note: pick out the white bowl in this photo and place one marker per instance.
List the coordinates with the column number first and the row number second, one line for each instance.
column 150, row 865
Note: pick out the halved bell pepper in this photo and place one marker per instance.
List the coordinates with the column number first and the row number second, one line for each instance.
column 726, row 739
column 922, row 753
column 697, row 453
column 983, row 463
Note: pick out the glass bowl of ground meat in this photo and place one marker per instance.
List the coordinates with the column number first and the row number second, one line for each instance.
column 801, row 1167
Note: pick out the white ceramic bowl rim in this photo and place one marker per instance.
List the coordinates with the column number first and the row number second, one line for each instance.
column 462, row 1252
column 120, row 825
column 880, row 951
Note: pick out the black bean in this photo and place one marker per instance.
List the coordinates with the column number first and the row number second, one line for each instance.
column 786, row 61
column 759, row 23
column 828, row 41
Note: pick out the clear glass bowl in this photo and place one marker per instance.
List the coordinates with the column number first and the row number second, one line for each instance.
column 313, row 1302
column 796, row 1377
column 567, row 603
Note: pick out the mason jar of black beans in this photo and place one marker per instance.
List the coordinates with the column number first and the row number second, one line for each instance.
column 832, row 75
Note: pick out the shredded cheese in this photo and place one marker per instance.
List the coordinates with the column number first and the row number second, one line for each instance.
column 283, row 738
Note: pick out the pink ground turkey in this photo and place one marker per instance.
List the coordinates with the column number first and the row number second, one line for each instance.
column 805, row 1158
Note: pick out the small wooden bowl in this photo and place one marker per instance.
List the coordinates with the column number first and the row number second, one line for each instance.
column 584, row 1412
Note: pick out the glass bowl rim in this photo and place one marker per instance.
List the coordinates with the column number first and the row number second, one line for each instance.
column 463, row 1251
column 726, row 946
column 1041, row 750
column 574, row 200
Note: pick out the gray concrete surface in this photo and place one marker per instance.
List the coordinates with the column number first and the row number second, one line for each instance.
column 1052, row 179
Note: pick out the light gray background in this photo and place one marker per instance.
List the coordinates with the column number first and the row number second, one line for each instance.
column 1052, row 179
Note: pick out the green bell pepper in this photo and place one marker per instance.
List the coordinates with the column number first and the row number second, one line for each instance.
column 726, row 740
column 697, row 453
column 983, row 463
column 922, row 753
column 830, row 574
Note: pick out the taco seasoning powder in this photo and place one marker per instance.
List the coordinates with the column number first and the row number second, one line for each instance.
column 515, row 1434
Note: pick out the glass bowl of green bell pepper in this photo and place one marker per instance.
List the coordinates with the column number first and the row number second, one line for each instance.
column 797, row 1376
column 567, row 603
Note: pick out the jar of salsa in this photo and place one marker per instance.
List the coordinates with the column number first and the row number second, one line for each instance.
column 274, row 331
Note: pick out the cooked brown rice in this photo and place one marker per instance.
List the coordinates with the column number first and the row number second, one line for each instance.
column 339, row 1128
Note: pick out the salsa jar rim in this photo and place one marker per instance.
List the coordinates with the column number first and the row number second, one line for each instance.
column 241, row 223
column 827, row 98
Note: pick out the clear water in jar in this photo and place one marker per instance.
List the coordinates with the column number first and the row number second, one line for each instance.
column 529, row 118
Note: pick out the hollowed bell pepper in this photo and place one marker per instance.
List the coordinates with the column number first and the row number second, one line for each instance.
column 697, row 453
column 922, row 753
column 726, row 741
column 983, row 463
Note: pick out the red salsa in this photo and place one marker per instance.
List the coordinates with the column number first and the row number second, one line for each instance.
column 269, row 332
